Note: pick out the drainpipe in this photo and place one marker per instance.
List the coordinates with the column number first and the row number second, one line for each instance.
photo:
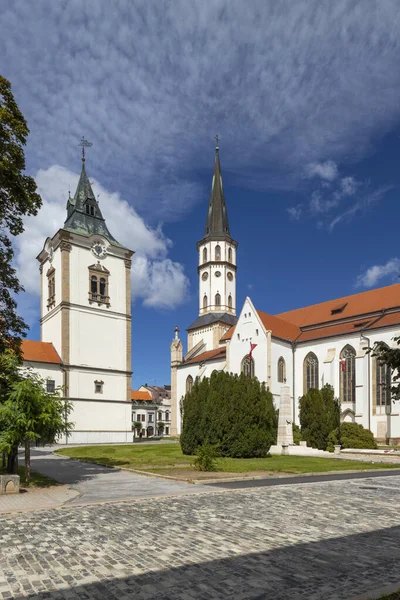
column 294, row 346
column 367, row 339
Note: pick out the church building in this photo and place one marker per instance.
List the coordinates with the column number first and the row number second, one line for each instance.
column 303, row 348
column 85, row 321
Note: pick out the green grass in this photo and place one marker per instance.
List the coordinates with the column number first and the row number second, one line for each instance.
column 37, row 480
column 161, row 456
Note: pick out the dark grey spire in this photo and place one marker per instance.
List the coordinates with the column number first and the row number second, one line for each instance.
column 217, row 224
column 83, row 211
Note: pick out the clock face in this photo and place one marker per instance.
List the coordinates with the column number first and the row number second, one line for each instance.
column 217, row 273
column 99, row 249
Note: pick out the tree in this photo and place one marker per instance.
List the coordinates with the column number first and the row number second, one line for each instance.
column 30, row 413
column 18, row 198
column 232, row 413
column 390, row 357
column 160, row 427
column 352, row 435
column 319, row 414
column 137, row 427
column 9, row 373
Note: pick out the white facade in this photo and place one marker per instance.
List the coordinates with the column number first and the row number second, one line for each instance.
column 217, row 276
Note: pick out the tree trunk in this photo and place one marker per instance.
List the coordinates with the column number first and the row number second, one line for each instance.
column 12, row 461
column 27, row 460
column 4, row 461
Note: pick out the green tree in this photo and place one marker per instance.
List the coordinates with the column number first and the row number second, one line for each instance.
column 160, row 427
column 18, row 198
column 390, row 357
column 352, row 435
column 30, row 413
column 138, row 427
column 234, row 413
column 9, row 373
column 319, row 414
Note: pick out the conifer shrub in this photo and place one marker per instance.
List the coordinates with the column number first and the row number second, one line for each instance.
column 206, row 458
column 352, row 435
column 234, row 412
column 296, row 434
column 319, row 415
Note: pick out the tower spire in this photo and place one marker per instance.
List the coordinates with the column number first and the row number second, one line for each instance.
column 85, row 144
column 217, row 224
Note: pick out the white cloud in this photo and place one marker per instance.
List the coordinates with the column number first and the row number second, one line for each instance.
column 156, row 279
column 150, row 83
column 374, row 274
column 327, row 170
column 361, row 204
column 319, row 204
column 348, row 186
column 295, row 212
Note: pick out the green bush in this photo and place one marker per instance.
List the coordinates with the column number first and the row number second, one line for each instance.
column 296, row 434
column 234, row 412
column 319, row 415
column 206, row 456
column 352, row 435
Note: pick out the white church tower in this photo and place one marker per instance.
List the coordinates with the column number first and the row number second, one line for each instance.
column 216, row 270
column 86, row 314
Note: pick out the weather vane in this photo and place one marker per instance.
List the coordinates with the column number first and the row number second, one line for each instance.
column 216, row 141
column 85, row 144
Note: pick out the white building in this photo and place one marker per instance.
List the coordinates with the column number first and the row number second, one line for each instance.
column 304, row 348
column 151, row 405
column 86, row 321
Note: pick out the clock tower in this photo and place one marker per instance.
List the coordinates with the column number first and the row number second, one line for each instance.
column 86, row 314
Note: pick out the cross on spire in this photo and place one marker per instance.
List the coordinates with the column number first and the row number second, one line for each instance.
column 85, row 144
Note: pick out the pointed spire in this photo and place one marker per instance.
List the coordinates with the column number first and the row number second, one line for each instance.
column 217, row 223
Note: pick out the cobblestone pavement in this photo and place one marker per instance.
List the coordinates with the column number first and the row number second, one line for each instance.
column 320, row 541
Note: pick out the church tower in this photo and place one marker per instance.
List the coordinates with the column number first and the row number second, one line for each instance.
column 216, row 270
column 86, row 314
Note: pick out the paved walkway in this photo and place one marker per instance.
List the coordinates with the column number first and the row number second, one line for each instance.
column 322, row 541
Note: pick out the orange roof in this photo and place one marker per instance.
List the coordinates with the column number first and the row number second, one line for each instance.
column 34, row 351
column 279, row 328
column 209, row 355
column 136, row 395
column 358, row 304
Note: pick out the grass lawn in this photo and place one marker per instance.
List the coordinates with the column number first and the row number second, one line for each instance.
column 165, row 458
column 37, row 480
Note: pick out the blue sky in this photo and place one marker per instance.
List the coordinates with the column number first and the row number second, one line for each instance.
column 305, row 98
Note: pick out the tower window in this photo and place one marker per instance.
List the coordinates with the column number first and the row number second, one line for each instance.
column 229, row 301
column 205, row 302
column 230, row 255
column 93, row 285
column 217, row 300
column 98, row 284
column 103, row 286
column 204, row 255
column 218, row 252
column 98, row 387
column 51, row 285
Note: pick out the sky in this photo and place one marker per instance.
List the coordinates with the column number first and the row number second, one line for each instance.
column 305, row 99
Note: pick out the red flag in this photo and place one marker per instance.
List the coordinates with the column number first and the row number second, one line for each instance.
column 252, row 346
column 343, row 364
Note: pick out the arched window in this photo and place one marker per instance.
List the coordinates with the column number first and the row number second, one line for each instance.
column 229, row 301
column 159, row 415
column 204, row 255
column 310, row 372
column 93, row 284
column 217, row 252
column 348, row 374
column 383, row 384
column 103, row 287
column 247, row 366
column 230, row 255
column 217, row 300
column 205, row 301
column 167, row 415
column 281, row 370
column 189, row 384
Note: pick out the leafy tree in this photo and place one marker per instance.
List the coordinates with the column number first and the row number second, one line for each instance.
column 9, row 373
column 352, row 435
column 296, row 434
column 390, row 357
column 30, row 413
column 18, row 197
column 160, row 427
column 138, row 427
column 206, row 456
column 235, row 413
column 319, row 414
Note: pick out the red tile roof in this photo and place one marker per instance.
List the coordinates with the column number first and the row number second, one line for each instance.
column 209, row 355
column 228, row 334
column 34, row 351
column 280, row 328
column 136, row 395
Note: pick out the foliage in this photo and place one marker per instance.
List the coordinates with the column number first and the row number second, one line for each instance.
column 391, row 357
column 296, row 434
column 18, row 197
column 234, row 412
column 160, row 426
column 30, row 413
column 319, row 415
column 206, row 456
column 352, row 435
column 138, row 427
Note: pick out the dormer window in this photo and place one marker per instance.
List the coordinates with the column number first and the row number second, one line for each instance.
column 90, row 210
column 338, row 309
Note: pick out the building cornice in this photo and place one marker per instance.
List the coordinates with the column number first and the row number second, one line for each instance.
column 216, row 263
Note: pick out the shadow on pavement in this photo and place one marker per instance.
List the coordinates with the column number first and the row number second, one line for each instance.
column 335, row 569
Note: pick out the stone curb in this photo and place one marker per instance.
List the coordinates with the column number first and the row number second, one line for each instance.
column 377, row 593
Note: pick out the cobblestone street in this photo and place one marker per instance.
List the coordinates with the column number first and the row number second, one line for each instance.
column 324, row 541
